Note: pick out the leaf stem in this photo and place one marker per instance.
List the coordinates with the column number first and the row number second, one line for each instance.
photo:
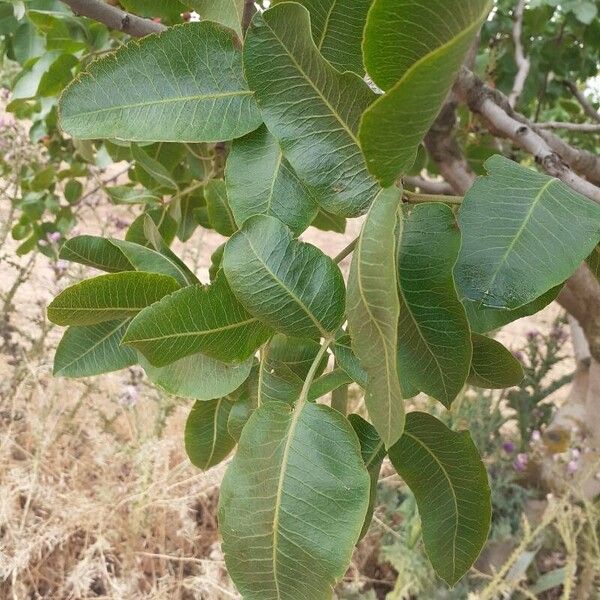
column 416, row 198
column 346, row 251
column 311, row 373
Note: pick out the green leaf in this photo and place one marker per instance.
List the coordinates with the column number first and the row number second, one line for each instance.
column 312, row 109
column 493, row 366
column 260, row 181
column 483, row 319
column 151, row 261
column 219, row 212
column 290, row 285
column 109, row 297
column 445, row 473
column 207, row 441
column 373, row 452
column 226, row 12
column 413, row 50
column 337, row 29
column 167, row 227
column 188, row 223
column 154, row 8
column 373, row 309
column 290, row 517
column 198, row 376
column 245, row 404
column 92, row 350
column 206, row 319
column 593, row 261
column 126, row 194
column 434, row 340
column 183, row 85
column 327, row 383
column 326, row 221
column 154, row 168
column 346, row 359
column 523, row 234
column 97, row 252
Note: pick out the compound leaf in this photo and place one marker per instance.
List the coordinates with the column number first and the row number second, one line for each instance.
column 448, row 478
column 290, row 518
column 373, row 309
column 312, row 109
column 413, row 50
column 290, row 285
column 109, row 297
column 183, row 85
column 523, row 234
column 434, row 340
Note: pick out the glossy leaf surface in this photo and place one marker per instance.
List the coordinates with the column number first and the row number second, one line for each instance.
column 523, row 234
column 290, row 285
column 373, row 310
column 290, row 518
column 445, row 473
column 434, row 341
column 312, row 109
column 183, row 85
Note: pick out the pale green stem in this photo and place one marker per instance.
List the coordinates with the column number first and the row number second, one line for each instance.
column 415, row 198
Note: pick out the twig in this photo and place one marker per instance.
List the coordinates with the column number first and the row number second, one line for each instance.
column 495, row 110
column 587, row 106
column 429, row 186
column 114, row 18
column 414, row 198
column 582, row 127
column 347, row 251
column 523, row 63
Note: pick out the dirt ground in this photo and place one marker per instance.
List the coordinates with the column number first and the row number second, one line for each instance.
column 97, row 497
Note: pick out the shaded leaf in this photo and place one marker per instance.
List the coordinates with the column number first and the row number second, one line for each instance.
column 260, row 181
column 493, row 366
column 198, row 376
column 373, row 452
column 109, row 297
column 413, row 50
column 207, row 441
column 327, row 383
column 373, row 309
column 159, row 173
column 593, row 261
column 192, row 72
column 245, row 404
column 290, row 519
column 125, row 194
column 165, row 223
column 207, row 319
column 290, row 285
column 326, row 221
column 347, row 360
column 93, row 349
column 312, row 109
column 219, row 211
column 337, row 29
column 97, row 252
column 523, row 234
column 434, row 340
column 445, row 473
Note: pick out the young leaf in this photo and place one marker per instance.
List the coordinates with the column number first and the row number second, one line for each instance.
column 412, row 50
column 97, row 252
column 312, row 109
column 219, row 212
column 493, row 366
column 327, row 383
column 290, row 285
column 188, row 223
column 166, row 224
column 445, row 473
column 126, row 194
column 337, row 29
column 261, row 182
column 290, row 517
column 523, row 234
column 183, row 85
column 158, row 172
column 207, row 319
column 109, row 297
column 483, row 319
column 373, row 309
column 92, row 350
column 226, row 12
column 207, row 441
column 198, row 376
column 373, row 453
column 434, row 341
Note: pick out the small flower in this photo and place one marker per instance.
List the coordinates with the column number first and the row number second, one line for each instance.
column 575, row 453
column 508, row 447
column 54, row 237
column 521, row 462
column 536, row 436
column 572, row 467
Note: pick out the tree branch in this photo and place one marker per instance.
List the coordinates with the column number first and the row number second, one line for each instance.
column 587, row 106
column 523, row 63
column 497, row 113
column 114, row 17
column 429, row 186
column 581, row 127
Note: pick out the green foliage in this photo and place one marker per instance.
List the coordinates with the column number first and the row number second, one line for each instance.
column 259, row 135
